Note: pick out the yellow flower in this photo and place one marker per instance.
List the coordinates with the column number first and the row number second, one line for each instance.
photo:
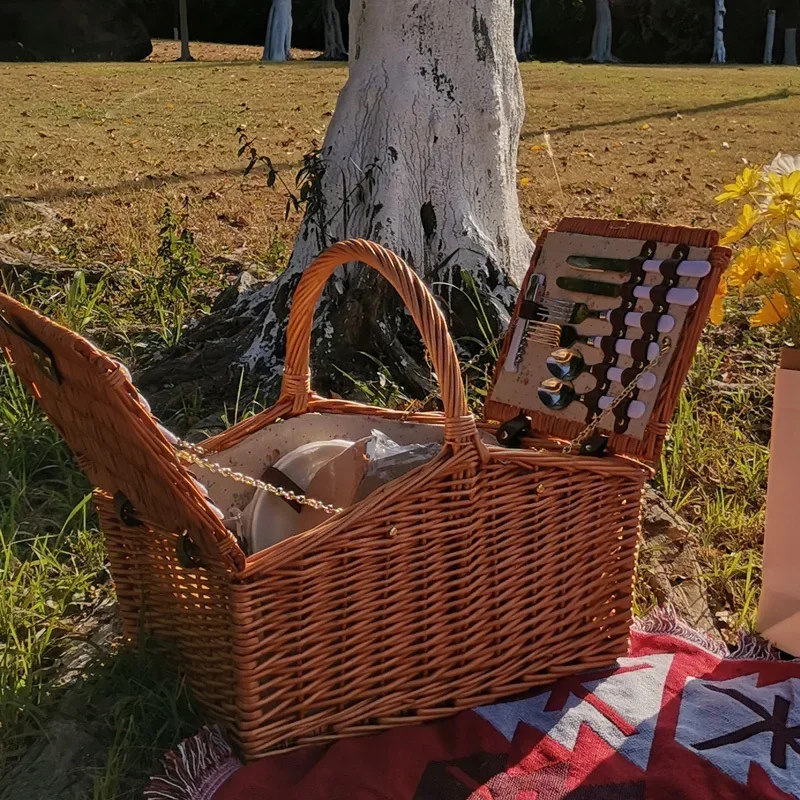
column 717, row 306
column 747, row 219
column 774, row 310
column 792, row 281
column 752, row 262
column 789, row 248
column 742, row 186
column 786, row 185
column 783, row 201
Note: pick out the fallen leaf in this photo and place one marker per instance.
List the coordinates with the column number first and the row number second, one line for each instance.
column 524, row 181
column 537, row 148
column 645, row 127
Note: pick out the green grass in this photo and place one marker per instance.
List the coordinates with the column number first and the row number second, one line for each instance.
column 117, row 149
column 713, row 470
column 53, row 577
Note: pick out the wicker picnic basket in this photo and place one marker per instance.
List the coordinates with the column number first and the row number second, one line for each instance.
column 480, row 575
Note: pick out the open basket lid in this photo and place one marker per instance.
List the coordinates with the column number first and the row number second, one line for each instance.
column 601, row 242
column 117, row 442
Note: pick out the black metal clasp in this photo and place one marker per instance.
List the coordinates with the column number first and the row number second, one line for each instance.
column 510, row 433
column 594, row 445
column 124, row 510
column 187, row 552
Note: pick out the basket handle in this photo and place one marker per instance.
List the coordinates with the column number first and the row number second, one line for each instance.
column 460, row 426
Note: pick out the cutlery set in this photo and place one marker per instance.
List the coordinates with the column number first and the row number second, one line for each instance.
column 555, row 325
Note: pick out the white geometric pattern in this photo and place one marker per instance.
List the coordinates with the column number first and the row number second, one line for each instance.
column 708, row 714
column 634, row 696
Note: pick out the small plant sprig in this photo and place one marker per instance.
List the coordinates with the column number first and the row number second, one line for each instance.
column 308, row 182
column 308, row 194
column 767, row 232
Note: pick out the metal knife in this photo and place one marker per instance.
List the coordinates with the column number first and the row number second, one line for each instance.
column 686, row 269
column 679, row 296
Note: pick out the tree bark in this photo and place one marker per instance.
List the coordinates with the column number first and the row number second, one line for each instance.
column 420, row 156
column 184, row 22
column 278, row 41
column 334, row 42
column 790, row 48
column 719, row 55
column 769, row 43
column 601, row 39
column 524, row 42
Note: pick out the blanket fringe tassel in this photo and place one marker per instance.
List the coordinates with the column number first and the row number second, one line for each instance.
column 196, row 769
column 664, row 620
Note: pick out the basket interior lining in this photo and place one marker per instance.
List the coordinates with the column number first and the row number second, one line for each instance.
column 265, row 447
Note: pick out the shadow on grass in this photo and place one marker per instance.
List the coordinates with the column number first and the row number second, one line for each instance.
column 150, row 182
column 783, row 94
column 100, row 736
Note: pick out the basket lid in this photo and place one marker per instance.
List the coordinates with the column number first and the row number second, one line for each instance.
column 90, row 400
column 601, row 248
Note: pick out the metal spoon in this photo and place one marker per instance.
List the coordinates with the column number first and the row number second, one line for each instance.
column 557, row 395
column 566, row 365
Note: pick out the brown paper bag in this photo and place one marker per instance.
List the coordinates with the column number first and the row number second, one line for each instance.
column 779, row 607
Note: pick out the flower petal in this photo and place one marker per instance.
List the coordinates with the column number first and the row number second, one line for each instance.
column 717, row 313
column 774, row 310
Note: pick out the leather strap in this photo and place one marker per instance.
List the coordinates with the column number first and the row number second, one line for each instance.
column 649, row 322
column 529, row 310
column 283, row 481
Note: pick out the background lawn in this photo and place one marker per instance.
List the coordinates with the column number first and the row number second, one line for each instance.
column 107, row 147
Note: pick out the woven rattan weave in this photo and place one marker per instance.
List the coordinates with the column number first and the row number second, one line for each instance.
column 482, row 574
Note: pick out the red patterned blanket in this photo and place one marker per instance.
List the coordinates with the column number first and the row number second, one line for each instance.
column 680, row 718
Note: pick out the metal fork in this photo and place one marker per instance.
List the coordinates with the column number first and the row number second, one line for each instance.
column 565, row 312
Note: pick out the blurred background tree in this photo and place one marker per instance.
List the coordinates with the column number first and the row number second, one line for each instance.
column 645, row 31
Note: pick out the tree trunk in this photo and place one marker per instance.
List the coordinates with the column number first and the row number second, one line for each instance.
column 769, row 43
column 334, row 42
column 420, row 156
column 719, row 56
column 790, row 48
column 601, row 39
column 278, row 41
column 524, row 43
column 184, row 22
